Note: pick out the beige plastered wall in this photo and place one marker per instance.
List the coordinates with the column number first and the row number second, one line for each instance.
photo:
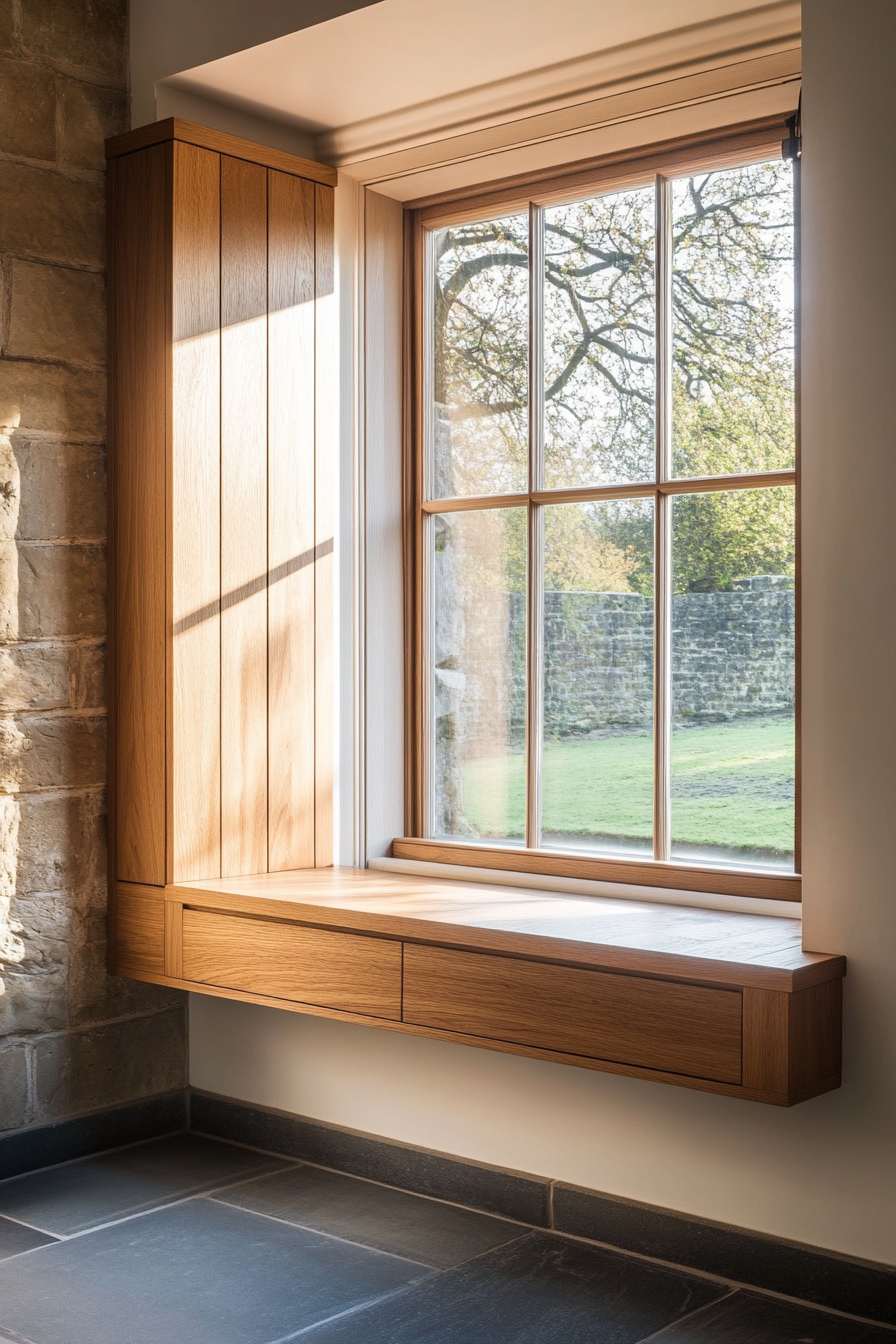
column 823, row 1172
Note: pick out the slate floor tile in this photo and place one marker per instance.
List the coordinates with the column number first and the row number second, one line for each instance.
column 746, row 1319
column 440, row 1235
column 542, row 1289
column 14, row 1238
column 97, row 1189
column 200, row 1271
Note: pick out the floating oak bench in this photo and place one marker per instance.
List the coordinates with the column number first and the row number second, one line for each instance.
column 722, row 1002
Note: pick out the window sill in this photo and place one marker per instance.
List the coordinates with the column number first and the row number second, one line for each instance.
column 714, row 1000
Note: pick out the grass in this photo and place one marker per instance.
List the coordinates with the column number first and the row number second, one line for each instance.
column 732, row 790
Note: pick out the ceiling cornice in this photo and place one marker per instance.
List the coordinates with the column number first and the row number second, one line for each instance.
column 666, row 59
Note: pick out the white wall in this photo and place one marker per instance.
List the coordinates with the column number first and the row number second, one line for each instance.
column 823, row 1172
column 168, row 36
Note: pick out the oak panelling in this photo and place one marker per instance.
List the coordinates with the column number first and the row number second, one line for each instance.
column 287, row 961
column 326, row 456
column 174, row 128
column 766, row 1019
column 291, row 538
column 244, row 508
column 174, row 942
column 816, row 1036
column 651, row 1023
column 140, row 931
column 194, row 741
column 678, row 942
column 139, row 236
column 677, row 876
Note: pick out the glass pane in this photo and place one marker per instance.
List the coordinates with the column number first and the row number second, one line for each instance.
column 480, row 342
column 733, row 745
column 733, row 342
column 478, row 692
column 598, row 676
column 598, row 340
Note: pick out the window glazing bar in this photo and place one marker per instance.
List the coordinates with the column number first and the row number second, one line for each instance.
column 662, row 691
column 535, row 557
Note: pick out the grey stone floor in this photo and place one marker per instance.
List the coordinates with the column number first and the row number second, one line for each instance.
column 188, row 1239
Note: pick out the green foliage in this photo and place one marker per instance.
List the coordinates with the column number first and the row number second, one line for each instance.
column 732, row 369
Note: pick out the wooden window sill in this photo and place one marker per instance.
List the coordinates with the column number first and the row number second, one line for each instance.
column 714, row 1000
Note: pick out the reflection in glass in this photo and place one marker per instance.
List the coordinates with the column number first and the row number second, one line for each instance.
column 478, row 688
column 598, row 340
column 480, row 335
column 733, row 743
column 733, row 341
column 598, row 676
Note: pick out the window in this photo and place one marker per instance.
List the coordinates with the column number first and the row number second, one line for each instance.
column 603, row 573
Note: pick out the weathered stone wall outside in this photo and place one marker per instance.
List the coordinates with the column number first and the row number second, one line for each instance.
column 733, row 656
column 72, row 1039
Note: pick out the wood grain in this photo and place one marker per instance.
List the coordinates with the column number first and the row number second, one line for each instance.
column 174, row 943
column 286, row 961
column 326, row 457
column 244, row 508
column 291, row 538
column 655, row 1024
column 678, row 877
column 140, row 931
column 713, row 946
column 815, row 1036
column 766, row 1040
column 174, row 128
column 139, row 269
column 194, row 742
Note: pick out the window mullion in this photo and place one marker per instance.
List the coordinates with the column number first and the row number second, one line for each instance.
column 662, row 718
column 535, row 566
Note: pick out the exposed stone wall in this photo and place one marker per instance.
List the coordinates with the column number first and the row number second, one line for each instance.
column 72, row 1039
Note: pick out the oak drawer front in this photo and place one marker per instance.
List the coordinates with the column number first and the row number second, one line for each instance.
column 655, row 1024
column 285, row 961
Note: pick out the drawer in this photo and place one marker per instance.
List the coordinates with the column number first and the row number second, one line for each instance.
column 288, row 961
column 654, row 1024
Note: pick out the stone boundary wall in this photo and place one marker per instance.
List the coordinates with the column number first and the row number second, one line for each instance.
column 733, row 656
column 72, row 1039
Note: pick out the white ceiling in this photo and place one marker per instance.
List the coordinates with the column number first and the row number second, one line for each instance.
column 401, row 53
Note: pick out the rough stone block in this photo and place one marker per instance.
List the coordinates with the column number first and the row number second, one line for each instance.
column 53, row 399
column 96, row 1067
column 27, row 109
column 35, row 676
column 89, row 677
column 61, row 591
column 57, row 313
column 13, row 1086
column 61, row 490
column 61, row 843
column 84, row 35
column 53, row 217
column 35, row 997
column 51, row 751
column 90, row 114
column 7, row 25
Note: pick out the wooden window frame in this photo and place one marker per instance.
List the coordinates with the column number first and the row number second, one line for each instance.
column 742, row 144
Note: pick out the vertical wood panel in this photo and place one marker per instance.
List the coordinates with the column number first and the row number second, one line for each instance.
column 765, row 1051
column 139, row 287
column 326, row 448
column 244, row 668
column 815, row 1034
column 290, row 522
column 195, row 505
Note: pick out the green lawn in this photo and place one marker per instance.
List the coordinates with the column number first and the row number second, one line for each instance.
column 732, row 789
